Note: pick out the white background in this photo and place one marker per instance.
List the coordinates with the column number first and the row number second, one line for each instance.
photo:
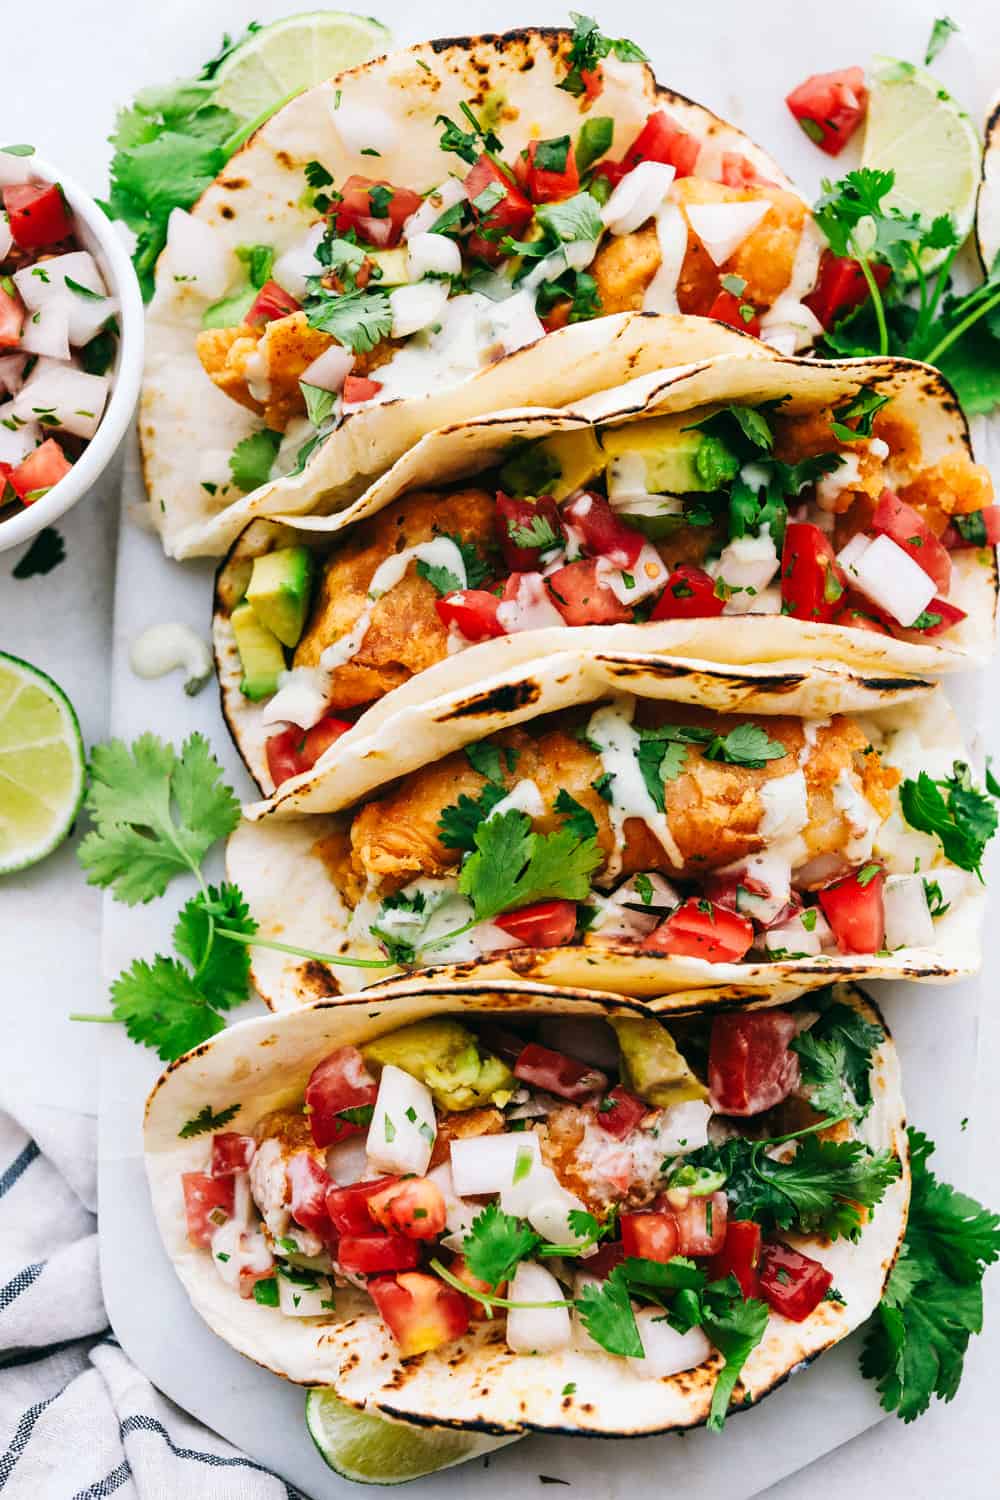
column 76, row 61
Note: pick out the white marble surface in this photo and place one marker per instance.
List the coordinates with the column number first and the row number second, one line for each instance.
column 92, row 55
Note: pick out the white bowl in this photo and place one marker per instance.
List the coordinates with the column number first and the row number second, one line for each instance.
column 99, row 235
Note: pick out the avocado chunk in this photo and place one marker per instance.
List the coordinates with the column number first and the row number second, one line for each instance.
column 392, row 264
column 651, row 1065
column 659, row 457
column 261, row 654
column 556, row 466
column 446, row 1057
column 279, row 590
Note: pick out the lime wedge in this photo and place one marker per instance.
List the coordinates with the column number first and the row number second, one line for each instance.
column 373, row 1450
column 291, row 55
column 41, row 765
column 917, row 130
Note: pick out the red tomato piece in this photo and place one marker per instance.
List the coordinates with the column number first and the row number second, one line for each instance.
column 272, row 301
column 545, row 924
column 619, row 1112
column 359, row 388
column 662, row 139
column 855, row 910
column 698, row 929
column 420, row 1311
column 558, row 1074
column 460, row 1270
column 39, row 214
column 701, row 1225
column 295, row 750
column 340, row 1082
column 613, row 171
column 582, row 598
column 348, row 1206
column 204, row 1197
column 812, row 581
column 739, row 172
column 689, row 595
column 792, row 1283
column 415, row 1208
column 750, row 1068
column 739, row 1256
column 980, row 528
column 473, row 611
column 372, row 1253
column 519, row 523
column 602, row 532
column 35, row 475
column 231, row 1153
column 830, row 107
column 593, row 82
column 861, row 614
column 841, row 287
column 11, row 317
column 651, row 1236
column 605, row 1258
column 548, row 183
column 379, row 220
column 509, row 215
column 948, row 615
column 308, row 1183
column 738, row 313
column 5, row 470
column 908, row 529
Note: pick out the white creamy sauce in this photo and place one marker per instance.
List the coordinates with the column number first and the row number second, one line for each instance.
column 789, row 325
column 861, row 818
column 786, row 806
column 235, row 1249
column 748, row 565
column 810, row 732
column 530, row 609
column 830, row 487
column 576, row 255
column 627, row 478
column 672, row 235
column 301, row 698
column 450, row 192
column 470, row 331
column 160, row 649
column 299, row 261
column 646, row 576
column 257, row 372
column 523, row 797
column 610, row 728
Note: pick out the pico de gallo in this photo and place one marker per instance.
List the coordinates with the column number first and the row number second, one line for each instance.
column 602, row 1185
column 58, row 335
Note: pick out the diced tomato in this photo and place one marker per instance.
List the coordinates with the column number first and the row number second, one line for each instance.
column 593, row 82
column 582, row 598
column 420, row 1311
column 841, row 287
column 908, row 529
column 750, row 1068
column 724, row 890
column 272, row 301
column 830, row 107
column 558, row 1074
column 739, row 1256
column 510, row 215
column 203, row 1197
column 348, row 1206
column 548, row 184
column 602, row 532
column 359, row 388
column 701, row 1225
column 38, row 214
column 37, row 473
column 295, row 750
column 698, row 929
column 861, row 614
column 619, row 1112
column 518, row 522
column 651, row 1236
column 231, row 1153
column 855, row 910
column 689, row 595
column 11, row 318
column 812, row 581
column 557, row 316
column 739, row 172
column 5, row 471
column 473, row 611
column 415, row 1208
column 379, row 222
column 662, row 139
column 372, row 1253
column 980, row 528
column 339, row 1083
column 613, row 171
column 545, row 924
column 792, row 1283
column 605, row 1258
column 949, row 615
column 308, row 1183
column 460, row 1270
column 738, row 313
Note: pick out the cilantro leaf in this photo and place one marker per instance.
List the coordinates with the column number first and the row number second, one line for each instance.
column 571, row 219
column 589, row 46
column 485, row 758
column 221, row 967
column 864, row 406
column 459, row 821
column 162, row 1007
column 496, row 1243
column 961, row 816
column 46, row 552
column 538, row 533
column 252, row 459
column 468, row 144
column 835, row 1056
column 943, row 28
column 358, row 320
column 512, row 866
column 441, row 578
column 606, row 1314
column 735, row 1329
column 206, row 1121
column 579, row 821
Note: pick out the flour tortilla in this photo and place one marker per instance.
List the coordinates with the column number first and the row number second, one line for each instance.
column 988, row 205
column 257, row 199
column 477, row 1383
column 277, row 864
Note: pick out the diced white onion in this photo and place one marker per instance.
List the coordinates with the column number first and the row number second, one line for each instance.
column 15, row 169
column 416, row 307
column 46, row 282
column 540, row 1198
column 362, row 127
column 432, row 254
column 794, row 937
column 530, row 609
column 684, row 1127
column 748, row 563
column 17, row 439
column 891, row 578
column 59, row 396
column 772, row 870
column 194, row 258
column 459, row 1215
column 648, row 574
column 297, row 1301
column 908, row 920
column 786, row 806
column 403, row 1128
column 47, row 330
column 637, row 197
column 11, row 371
column 722, row 227
column 489, row 1163
column 536, row 1330
column 347, row 1161
column 672, row 235
column 330, row 369
column 434, row 205
column 850, row 555
column 293, row 265
column 789, row 316
column 666, row 1351
column 513, row 323
column 6, row 238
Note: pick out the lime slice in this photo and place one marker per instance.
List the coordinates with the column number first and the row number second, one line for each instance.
column 373, row 1450
column 41, row 764
column 917, row 130
column 291, row 55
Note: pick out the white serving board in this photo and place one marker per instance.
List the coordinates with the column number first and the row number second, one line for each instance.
column 742, row 67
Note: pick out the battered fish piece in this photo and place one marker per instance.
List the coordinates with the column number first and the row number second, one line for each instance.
column 405, row 635
column 462, row 1125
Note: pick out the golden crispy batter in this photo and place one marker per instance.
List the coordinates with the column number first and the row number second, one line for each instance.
column 405, row 635
column 623, row 268
column 461, row 1126
column 954, row 486
column 290, row 1127
column 223, row 353
column 806, row 434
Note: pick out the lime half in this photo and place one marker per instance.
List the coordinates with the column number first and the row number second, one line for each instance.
column 917, row 130
column 41, row 764
column 293, row 54
column 373, row 1450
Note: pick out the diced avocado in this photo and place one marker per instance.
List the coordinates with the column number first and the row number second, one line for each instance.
column 580, row 458
column 667, row 453
column 651, row 1065
column 231, row 310
column 261, row 653
column 392, row 264
column 279, row 590
column 446, row 1057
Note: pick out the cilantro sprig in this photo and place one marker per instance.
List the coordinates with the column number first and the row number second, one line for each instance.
column 588, row 49
column 953, row 809
column 835, row 1057
column 662, row 751
column 512, row 866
